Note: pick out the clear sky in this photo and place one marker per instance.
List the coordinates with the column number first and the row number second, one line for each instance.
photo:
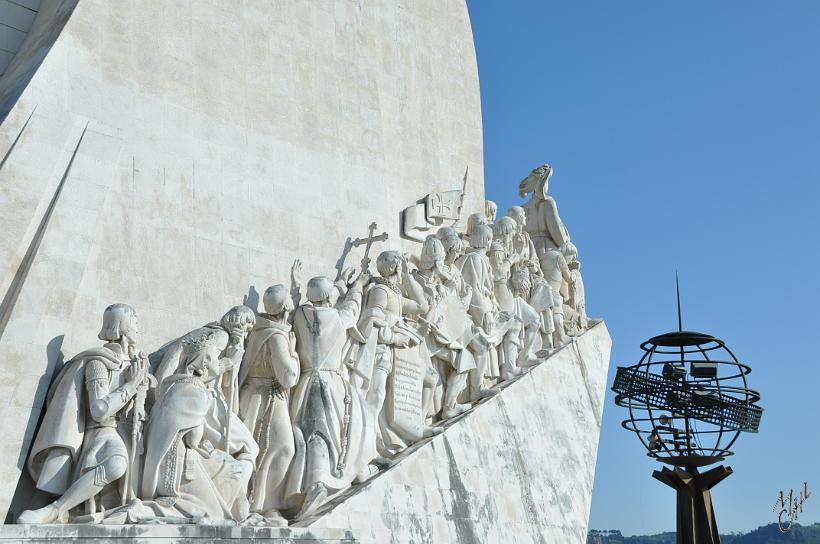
column 684, row 135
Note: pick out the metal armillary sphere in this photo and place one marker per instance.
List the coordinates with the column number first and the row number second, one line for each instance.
column 688, row 401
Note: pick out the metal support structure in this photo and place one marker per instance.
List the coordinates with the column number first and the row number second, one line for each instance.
column 696, row 516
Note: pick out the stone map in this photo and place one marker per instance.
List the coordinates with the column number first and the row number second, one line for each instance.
column 182, row 157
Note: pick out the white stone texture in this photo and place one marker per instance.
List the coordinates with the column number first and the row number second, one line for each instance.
column 223, row 140
column 169, row 534
column 518, row 467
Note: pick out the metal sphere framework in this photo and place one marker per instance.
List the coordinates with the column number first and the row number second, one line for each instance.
column 688, row 399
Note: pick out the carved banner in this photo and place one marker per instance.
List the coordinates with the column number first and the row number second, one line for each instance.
column 407, row 379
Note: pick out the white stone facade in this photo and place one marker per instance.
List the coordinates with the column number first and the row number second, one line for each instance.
column 179, row 156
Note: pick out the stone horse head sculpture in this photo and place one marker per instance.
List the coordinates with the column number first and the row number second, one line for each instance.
column 537, row 182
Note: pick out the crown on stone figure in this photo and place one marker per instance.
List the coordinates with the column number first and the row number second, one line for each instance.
column 199, row 343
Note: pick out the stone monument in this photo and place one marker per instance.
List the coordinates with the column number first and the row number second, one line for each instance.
column 178, row 159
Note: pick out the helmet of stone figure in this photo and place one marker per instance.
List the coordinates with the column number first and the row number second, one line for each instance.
column 119, row 320
column 450, row 240
column 319, row 289
column 432, row 253
column 490, row 210
column 387, row 263
column 537, row 182
column 476, row 220
column 277, row 299
column 482, row 237
column 238, row 317
column 518, row 215
column 504, row 227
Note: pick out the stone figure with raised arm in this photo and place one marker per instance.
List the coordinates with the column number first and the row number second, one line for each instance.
column 448, row 297
column 543, row 222
column 270, row 368
column 393, row 371
column 81, row 451
column 334, row 427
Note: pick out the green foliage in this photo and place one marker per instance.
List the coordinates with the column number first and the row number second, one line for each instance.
column 768, row 534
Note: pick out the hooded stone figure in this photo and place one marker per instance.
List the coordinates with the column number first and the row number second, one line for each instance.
column 270, row 368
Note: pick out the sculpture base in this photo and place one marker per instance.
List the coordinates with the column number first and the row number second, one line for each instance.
column 696, row 516
column 172, row 534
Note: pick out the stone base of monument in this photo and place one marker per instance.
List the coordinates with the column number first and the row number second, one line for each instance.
column 176, row 534
column 518, row 466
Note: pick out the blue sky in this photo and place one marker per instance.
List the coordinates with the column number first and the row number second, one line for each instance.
column 684, row 136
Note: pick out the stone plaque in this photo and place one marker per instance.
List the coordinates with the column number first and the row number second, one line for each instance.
column 407, row 380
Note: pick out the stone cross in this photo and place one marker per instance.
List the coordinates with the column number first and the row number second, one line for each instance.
column 369, row 239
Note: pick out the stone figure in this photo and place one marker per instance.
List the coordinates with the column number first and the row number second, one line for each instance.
column 575, row 293
column 528, row 340
column 557, row 274
column 229, row 334
column 521, row 243
column 334, row 427
column 478, row 274
column 194, row 470
column 270, row 368
column 448, row 297
column 474, row 220
column 507, row 304
column 395, row 342
column 490, row 210
column 543, row 222
column 85, row 442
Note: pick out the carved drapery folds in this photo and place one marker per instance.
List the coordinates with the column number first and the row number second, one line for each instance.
column 260, row 418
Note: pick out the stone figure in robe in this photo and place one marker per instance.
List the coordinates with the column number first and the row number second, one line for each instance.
column 521, row 243
column 334, row 427
column 529, row 341
column 395, row 340
column 575, row 300
column 82, row 449
column 543, row 222
column 502, row 270
column 199, row 455
column 270, row 368
column 229, row 334
column 448, row 297
column 478, row 274
column 557, row 274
